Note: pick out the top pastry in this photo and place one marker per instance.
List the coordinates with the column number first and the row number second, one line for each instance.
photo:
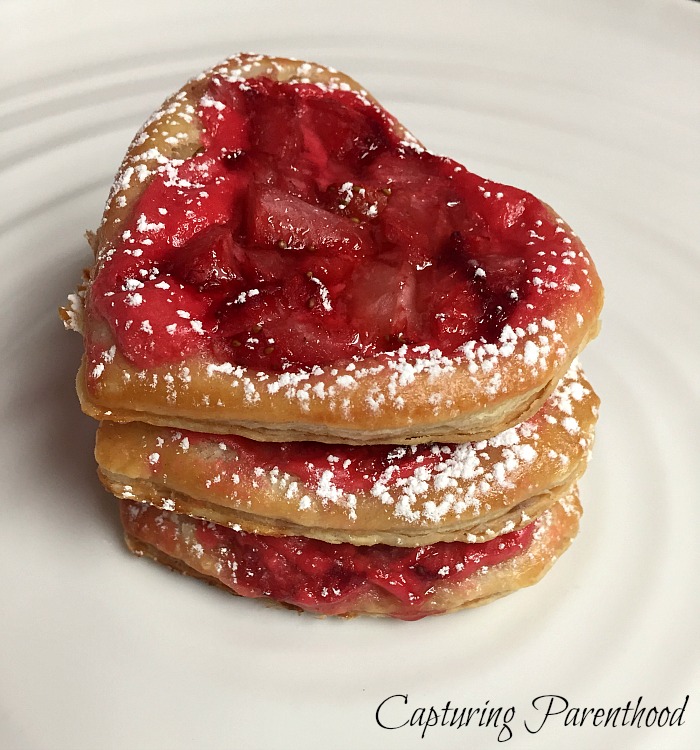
column 280, row 258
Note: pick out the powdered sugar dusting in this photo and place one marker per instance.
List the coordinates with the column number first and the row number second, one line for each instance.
column 446, row 481
column 531, row 348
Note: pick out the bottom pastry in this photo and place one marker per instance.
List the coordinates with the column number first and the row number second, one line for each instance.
column 346, row 579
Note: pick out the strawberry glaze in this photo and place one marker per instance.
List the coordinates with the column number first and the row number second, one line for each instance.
column 315, row 575
column 353, row 468
column 305, row 232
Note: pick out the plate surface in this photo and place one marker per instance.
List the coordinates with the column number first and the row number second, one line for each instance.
column 594, row 107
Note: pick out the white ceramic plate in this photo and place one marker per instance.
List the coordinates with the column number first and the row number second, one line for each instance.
column 594, row 107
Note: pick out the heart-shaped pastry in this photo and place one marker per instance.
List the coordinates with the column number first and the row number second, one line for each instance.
column 279, row 258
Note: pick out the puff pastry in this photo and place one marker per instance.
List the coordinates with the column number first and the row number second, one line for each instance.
column 372, row 581
column 401, row 496
column 280, row 259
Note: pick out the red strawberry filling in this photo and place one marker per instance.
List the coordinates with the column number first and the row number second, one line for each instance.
column 308, row 233
column 315, row 575
column 211, row 260
column 354, row 468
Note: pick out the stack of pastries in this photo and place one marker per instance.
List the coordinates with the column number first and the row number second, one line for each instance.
column 331, row 368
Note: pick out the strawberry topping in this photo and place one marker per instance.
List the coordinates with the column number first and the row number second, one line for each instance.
column 316, row 575
column 306, row 232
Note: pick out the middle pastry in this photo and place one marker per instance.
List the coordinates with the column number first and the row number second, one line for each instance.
column 396, row 495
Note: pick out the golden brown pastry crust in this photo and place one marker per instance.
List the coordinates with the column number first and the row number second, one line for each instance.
column 394, row 398
column 480, row 491
column 557, row 527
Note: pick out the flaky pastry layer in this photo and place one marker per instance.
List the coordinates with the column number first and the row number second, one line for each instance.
column 471, row 492
column 555, row 530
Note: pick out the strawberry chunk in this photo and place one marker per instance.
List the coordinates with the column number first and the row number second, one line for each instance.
column 211, row 259
column 357, row 201
column 289, row 323
column 383, row 302
column 278, row 219
column 416, row 219
column 494, row 274
column 273, row 129
column 338, row 137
